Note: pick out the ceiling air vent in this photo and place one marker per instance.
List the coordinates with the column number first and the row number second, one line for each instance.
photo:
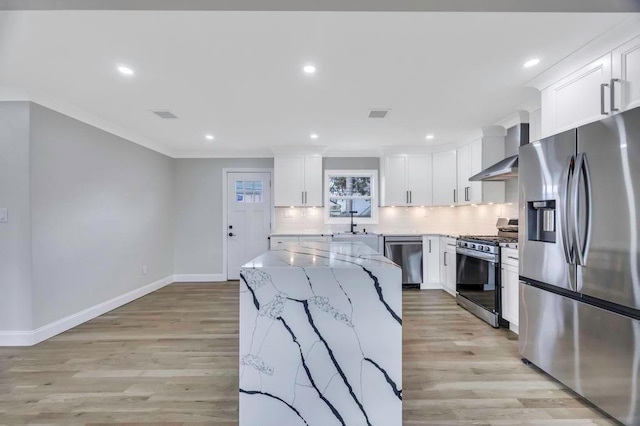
column 164, row 114
column 378, row 113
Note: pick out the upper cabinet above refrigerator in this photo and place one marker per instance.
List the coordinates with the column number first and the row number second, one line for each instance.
column 600, row 89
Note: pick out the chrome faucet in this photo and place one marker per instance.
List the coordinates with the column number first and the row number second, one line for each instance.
column 353, row 225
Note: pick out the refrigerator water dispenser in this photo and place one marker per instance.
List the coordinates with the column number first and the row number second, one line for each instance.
column 541, row 221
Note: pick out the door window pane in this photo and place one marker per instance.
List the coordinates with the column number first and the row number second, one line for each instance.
column 249, row 191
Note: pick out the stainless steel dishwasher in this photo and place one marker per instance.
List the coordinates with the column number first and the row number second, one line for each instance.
column 406, row 251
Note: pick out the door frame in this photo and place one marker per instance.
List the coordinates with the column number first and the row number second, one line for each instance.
column 225, row 205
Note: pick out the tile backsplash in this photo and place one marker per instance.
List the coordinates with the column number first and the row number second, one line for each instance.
column 477, row 220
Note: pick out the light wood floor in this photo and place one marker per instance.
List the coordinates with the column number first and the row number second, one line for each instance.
column 172, row 357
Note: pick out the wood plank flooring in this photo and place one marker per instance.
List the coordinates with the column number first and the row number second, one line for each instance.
column 172, row 357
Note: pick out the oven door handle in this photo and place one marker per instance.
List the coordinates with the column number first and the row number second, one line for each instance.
column 489, row 257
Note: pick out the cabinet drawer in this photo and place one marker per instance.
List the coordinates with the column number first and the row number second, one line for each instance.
column 510, row 257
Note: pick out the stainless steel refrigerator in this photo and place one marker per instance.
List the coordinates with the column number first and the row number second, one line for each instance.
column 580, row 261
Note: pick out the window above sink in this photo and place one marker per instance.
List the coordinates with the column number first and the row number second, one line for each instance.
column 349, row 191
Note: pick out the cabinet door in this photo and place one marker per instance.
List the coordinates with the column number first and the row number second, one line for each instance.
column 474, row 191
column 510, row 308
column 419, row 179
column 443, row 267
column 313, row 180
column 395, row 180
column 626, row 68
column 463, row 168
column 580, row 98
column 288, row 180
column 431, row 262
column 451, row 270
column 444, row 178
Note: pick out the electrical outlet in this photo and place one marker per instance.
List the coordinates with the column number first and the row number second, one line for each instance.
column 4, row 215
column 144, row 269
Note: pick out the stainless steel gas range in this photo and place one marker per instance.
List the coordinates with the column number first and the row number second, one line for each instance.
column 478, row 284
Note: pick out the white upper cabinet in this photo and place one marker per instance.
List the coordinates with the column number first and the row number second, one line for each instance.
column 604, row 87
column 577, row 99
column 444, row 178
column 471, row 160
column 313, row 180
column 407, row 180
column 626, row 69
column 298, row 180
column 419, row 179
column 463, row 187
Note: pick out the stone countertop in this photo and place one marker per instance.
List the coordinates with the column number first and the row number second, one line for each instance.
column 321, row 255
column 383, row 234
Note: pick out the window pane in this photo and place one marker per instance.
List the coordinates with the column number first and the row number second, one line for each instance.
column 359, row 186
column 341, row 208
column 249, row 191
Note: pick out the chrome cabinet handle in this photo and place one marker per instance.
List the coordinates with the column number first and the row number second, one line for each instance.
column 613, row 94
column 305, row 198
column 410, row 197
column 302, row 194
column 454, row 196
column 406, row 196
column 511, row 257
column 445, row 258
column 602, row 87
column 429, row 246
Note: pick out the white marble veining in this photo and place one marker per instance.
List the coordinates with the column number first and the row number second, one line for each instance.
column 321, row 337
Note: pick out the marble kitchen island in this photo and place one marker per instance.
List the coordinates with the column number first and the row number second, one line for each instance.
column 320, row 337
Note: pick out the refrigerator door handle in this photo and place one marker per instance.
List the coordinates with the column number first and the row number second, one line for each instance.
column 582, row 245
column 565, row 212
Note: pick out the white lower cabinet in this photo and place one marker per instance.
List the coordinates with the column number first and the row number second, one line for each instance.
column 275, row 239
column 510, row 287
column 431, row 263
column 448, row 264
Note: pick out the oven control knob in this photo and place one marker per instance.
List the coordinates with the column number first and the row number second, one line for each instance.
column 487, row 249
column 472, row 246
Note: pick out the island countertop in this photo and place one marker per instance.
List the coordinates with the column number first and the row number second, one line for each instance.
column 320, row 337
column 321, row 255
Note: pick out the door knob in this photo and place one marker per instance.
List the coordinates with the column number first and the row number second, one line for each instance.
column 230, row 226
column 231, row 234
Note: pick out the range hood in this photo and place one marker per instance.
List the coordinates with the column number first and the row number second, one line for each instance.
column 503, row 170
column 506, row 169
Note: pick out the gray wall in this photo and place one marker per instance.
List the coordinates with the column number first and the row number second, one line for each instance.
column 198, row 201
column 102, row 207
column 15, row 236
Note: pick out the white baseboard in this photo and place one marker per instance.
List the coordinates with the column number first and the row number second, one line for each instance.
column 29, row 338
column 16, row 338
column 430, row 286
column 514, row 328
column 198, row 278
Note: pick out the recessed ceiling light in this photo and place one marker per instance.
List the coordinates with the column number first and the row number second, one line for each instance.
column 209, row 137
column 531, row 63
column 429, row 137
column 125, row 70
column 309, row 69
column 313, row 136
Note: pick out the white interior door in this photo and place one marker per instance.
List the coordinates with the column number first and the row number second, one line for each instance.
column 248, row 218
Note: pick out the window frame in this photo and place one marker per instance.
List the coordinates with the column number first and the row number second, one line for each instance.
column 373, row 174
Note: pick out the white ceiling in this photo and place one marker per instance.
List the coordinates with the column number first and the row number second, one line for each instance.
column 238, row 75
